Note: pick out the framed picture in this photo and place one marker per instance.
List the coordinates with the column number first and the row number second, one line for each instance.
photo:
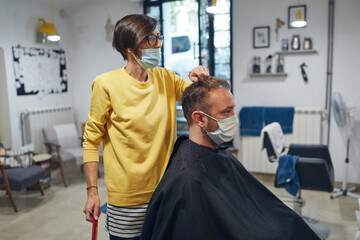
column 261, row 37
column 292, row 14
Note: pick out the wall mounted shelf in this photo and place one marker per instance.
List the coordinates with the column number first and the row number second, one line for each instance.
column 297, row 52
column 268, row 74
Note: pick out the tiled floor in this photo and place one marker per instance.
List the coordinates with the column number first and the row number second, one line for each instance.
column 338, row 214
column 58, row 214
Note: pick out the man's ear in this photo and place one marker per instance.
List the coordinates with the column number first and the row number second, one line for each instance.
column 198, row 118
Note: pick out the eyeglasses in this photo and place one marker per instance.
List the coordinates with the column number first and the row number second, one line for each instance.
column 152, row 39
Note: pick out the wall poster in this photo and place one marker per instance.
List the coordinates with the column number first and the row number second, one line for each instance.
column 39, row 70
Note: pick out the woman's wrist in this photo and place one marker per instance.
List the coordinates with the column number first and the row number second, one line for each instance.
column 92, row 191
column 90, row 187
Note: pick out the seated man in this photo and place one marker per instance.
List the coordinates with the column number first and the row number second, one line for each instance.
column 205, row 192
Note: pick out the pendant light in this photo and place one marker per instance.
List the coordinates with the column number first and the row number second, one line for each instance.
column 47, row 32
column 300, row 20
column 216, row 8
column 212, row 8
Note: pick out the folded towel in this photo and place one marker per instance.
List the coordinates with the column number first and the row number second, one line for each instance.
column 251, row 121
column 287, row 175
column 282, row 115
column 276, row 138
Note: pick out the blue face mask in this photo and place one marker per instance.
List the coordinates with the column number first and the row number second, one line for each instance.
column 151, row 57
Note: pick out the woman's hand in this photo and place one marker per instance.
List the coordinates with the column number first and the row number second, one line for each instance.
column 92, row 206
column 199, row 72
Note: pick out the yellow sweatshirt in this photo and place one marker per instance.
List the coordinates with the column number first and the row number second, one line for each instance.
column 137, row 123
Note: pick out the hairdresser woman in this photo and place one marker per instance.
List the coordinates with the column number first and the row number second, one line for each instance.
column 133, row 111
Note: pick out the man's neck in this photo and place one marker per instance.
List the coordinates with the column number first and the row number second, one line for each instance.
column 200, row 137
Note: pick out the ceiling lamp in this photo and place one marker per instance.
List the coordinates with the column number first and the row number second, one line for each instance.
column 213, row 8
column 300, row 20
column 47, row 32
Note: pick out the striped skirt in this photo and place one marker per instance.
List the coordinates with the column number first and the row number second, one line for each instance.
column 125, row 222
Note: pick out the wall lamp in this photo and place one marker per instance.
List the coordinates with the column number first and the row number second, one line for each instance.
column 47, row 32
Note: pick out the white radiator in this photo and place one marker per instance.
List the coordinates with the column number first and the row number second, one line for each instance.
column 307, row 128
column 35, row 119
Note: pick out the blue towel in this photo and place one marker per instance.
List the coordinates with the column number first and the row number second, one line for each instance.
column 287, row 175
column 282, row 115
column 251, row 121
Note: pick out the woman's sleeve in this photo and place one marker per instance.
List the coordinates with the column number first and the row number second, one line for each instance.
column 180, row 85
column 95, row 126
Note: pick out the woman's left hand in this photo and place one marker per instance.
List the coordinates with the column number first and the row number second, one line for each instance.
column 199, row 72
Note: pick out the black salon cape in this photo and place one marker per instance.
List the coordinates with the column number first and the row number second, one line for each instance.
column 208, row 194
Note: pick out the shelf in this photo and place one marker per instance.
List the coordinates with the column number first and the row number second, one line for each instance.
column 268, row 74
column 297, row 52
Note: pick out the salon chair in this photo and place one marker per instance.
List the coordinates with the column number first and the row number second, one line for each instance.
column 314, row 169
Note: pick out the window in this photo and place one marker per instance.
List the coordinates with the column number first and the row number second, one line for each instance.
column 180, row 44
column 193, row 37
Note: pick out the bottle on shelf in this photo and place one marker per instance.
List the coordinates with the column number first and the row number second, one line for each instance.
column 280, row 64
column 285, row 45
column 307, row 44
column 256, row 64
column 295, row 42
column 268, row 63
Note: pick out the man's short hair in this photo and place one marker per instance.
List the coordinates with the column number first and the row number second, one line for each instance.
column 130, row 31
column 195, row 97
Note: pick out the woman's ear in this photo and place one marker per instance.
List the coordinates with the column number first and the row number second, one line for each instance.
column 129, row 53
column 198, row 118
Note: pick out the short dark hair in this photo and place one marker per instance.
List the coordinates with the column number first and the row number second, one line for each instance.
column 195, row 97
column 130, row 31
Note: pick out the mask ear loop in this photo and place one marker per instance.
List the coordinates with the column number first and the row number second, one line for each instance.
column 135, row 56
column 210, row 116
column 206, row 115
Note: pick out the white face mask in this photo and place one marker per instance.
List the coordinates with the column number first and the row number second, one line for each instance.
column 226, row 131
column 151, row 57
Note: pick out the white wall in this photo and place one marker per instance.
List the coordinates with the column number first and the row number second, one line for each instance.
column 292, row 90
column 346, row 80
column 272, row 91
column 83, row 39
column 91, row 55
column 18, row 24
column 5, row 131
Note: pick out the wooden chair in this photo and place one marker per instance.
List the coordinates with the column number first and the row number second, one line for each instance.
column 64, row 144
column 19, row 178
